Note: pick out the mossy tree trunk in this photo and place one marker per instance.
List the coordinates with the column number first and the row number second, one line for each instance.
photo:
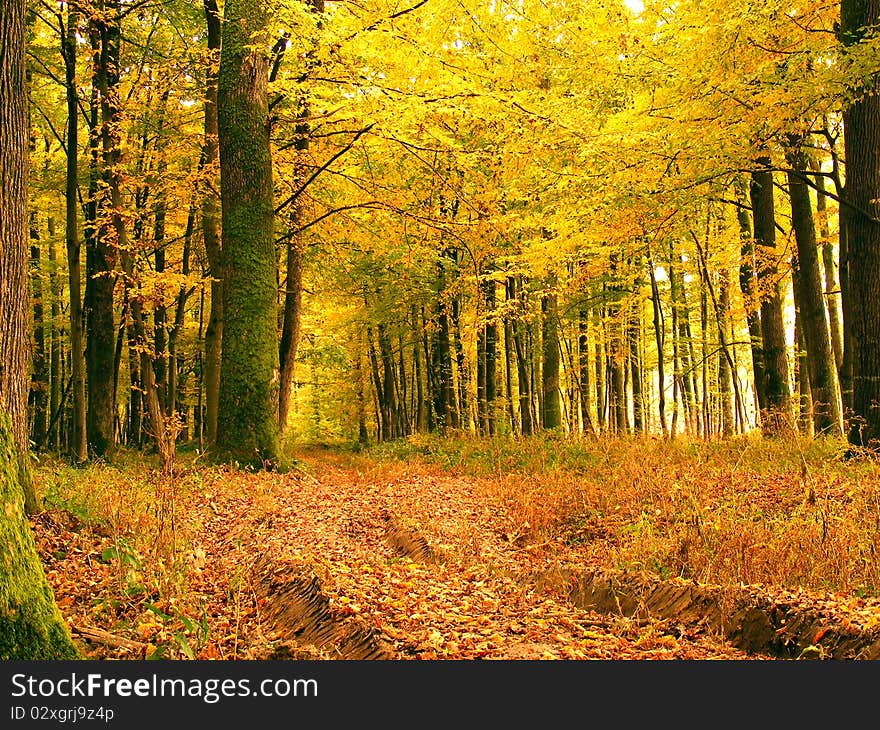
column 247, row 428
column 31, row 626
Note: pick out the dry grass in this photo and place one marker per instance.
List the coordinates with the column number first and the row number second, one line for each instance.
column 141, row 510
column 789, row 512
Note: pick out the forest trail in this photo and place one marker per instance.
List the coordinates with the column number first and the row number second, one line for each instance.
column 429, row 563
column 355, row 558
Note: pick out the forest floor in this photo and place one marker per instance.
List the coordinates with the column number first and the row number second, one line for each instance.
column 375, row 556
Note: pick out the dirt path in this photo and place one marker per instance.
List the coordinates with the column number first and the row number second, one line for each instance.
column 457, row 594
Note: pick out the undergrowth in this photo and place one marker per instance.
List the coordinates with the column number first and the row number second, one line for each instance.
column 788, row 512
column 144, row 515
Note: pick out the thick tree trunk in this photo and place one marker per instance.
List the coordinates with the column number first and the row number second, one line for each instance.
column 31, row 626
column 861, row 120
column 249, row 377
column 778, row 412
column 811, row 304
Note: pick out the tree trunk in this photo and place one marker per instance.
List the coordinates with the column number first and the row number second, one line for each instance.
column 525, row 393
column 78, row 440
column 584, row 384
column 31, row 626
column 39, row 370
column 509, row 356
column 660, row 339
column 861, row 120
column 749, row 287
column 778, row 413
column 211, row 227
column 491, row 338
column 290, row 327
column 801, row 370
column 55, row 350
column 101, row 249
column 811, row 304
column 551, row 415
column 832, row 284
column 249, row 377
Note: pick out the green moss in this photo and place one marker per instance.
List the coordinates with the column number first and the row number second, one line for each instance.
column 247, row 421
column 31, row 627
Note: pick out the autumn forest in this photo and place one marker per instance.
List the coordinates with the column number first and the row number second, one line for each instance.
column 439, row 329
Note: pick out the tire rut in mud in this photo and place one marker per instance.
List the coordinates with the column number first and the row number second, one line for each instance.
column 787, row 626
column 409, row 542
column 295, row 607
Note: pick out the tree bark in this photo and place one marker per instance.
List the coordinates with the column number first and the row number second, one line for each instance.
column 78, row 439
column 749, row 287
column 249, row 377
column 31, row 626
column 211, row 227
column 778, row 412
column 39, row 369
column 101, row 249
column 551, row 414
column 861, row 119
column 822, row 369
column 55, row 349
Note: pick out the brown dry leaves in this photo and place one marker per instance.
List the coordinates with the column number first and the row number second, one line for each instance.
column 330, row 518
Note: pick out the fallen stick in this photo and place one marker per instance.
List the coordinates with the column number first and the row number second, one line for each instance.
column 106, row 638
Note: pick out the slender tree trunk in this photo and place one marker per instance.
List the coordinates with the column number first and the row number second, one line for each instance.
column 660, row 340
column 249, row 377
column 101, row 248
column 381, row 395
column 462, row 366
column 509, row 356
column 491, row 340
column 777, row 391
column 211, row 227
column 832, row 284
column 749, row 286
column 78, row 441
column 811, row 304
column 801, row 370
column 551, row 416
column 39, row 369
column 525, row 392
column 584, row 384
column 291, row 325
column 55, row 352
column 599, row 327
